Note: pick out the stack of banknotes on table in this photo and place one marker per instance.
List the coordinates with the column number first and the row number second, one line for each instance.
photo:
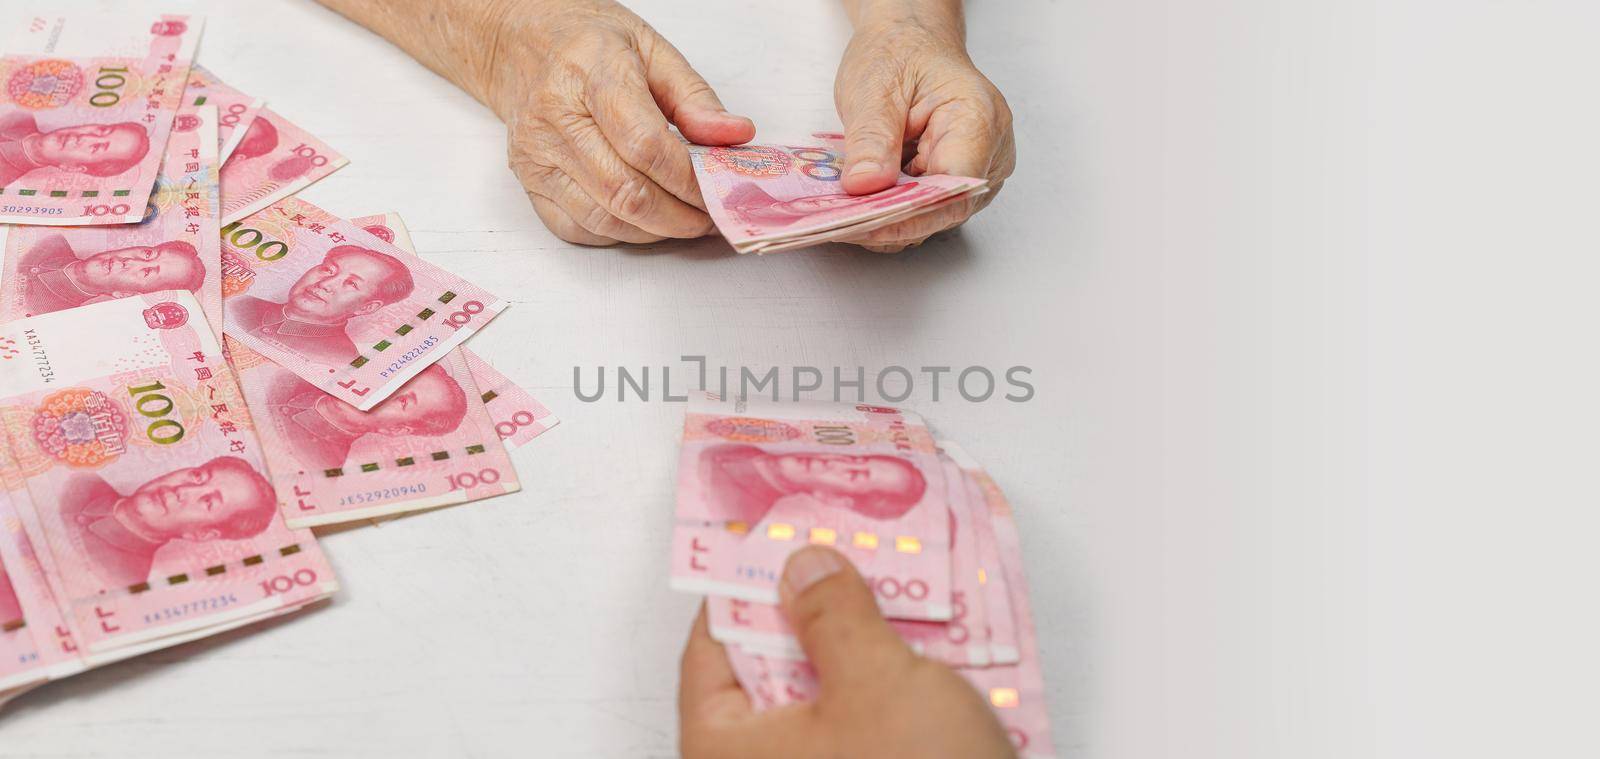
column 921, row 520
column 767, row 198
column 196, row 366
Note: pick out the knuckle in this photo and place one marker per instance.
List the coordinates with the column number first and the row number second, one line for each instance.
column 629, row 198
column 873, row 135
column 650, row 148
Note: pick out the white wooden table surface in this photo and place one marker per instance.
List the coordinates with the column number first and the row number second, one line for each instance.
column 1270, row 261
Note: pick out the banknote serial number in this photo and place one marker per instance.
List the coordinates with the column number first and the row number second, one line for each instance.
column 31, row 209
column 756, row 572
column 41, row 357
column 384, row 494
column 409, row 356
column 193, row 607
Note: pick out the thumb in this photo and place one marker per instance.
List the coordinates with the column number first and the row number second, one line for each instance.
column 874, row 118
column 837, row 621
column 689, row 102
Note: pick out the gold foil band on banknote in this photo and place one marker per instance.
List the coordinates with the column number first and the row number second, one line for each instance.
column 468, row 310
column 1004, row 698
column 215, row 570
column 33, row 191
column 827, row 536
column 405, row 461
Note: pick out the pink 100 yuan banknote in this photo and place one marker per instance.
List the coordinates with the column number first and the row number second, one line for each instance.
column 36, row 644
column 236, row 111
column 1014, row 691
column 19, row 655
column 430, row 444
column 757, row 480
column 82, row 136
column 148, row 490
column 962, row 641
column 518, row 418
column 47, row 269
column 349, row 313
column 272, row 160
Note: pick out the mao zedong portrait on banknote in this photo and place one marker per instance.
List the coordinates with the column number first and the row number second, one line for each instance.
column 99, row 150
column 260, row 138
column 351, row 282
column 53, row 276
column 321, row 429
column 747, row 481
column 120, row 533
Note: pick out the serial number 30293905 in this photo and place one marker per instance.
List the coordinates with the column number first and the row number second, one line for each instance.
column 31, row 209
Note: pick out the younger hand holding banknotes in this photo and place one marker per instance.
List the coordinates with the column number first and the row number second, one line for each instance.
column 588, row 91
column 877, row 697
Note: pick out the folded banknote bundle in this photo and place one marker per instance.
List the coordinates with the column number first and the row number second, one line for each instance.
column 767, row 198
column 927, row 527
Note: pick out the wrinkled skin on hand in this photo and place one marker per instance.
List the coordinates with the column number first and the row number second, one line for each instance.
column 907, row 87
column 588, row 90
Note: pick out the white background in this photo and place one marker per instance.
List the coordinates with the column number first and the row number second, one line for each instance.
column 1308, row 293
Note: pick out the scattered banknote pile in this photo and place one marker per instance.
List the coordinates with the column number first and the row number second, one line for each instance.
column 922, row 521
column 767, row 198
column 196, row 366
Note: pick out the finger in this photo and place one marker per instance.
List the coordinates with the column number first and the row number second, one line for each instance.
column 837, row 621
column 716, row 718
column 708, row 692
column 636, row 127
column 561, row 224
column 622, row 190
column 553, row 184
column 688, row 101
column 874, row 112
column 531, row 152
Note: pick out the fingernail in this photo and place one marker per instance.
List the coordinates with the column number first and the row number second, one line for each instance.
column 808, row 567
column 866, row 168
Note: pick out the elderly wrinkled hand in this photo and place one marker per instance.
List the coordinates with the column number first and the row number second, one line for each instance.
column 907, row 86
column 588, row 90
column 877, row 697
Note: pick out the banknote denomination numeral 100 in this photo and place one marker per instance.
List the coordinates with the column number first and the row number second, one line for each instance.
column 285, row 583
column 310, row 153
column 234, row 113
column 892, row 589
column 107, row 85
column 251, row 239
column 518, row 421
column 468, row 480
column 821, row 165
column 153, row 405
column 101, row 209
column 459, row 319
column 831, row 434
